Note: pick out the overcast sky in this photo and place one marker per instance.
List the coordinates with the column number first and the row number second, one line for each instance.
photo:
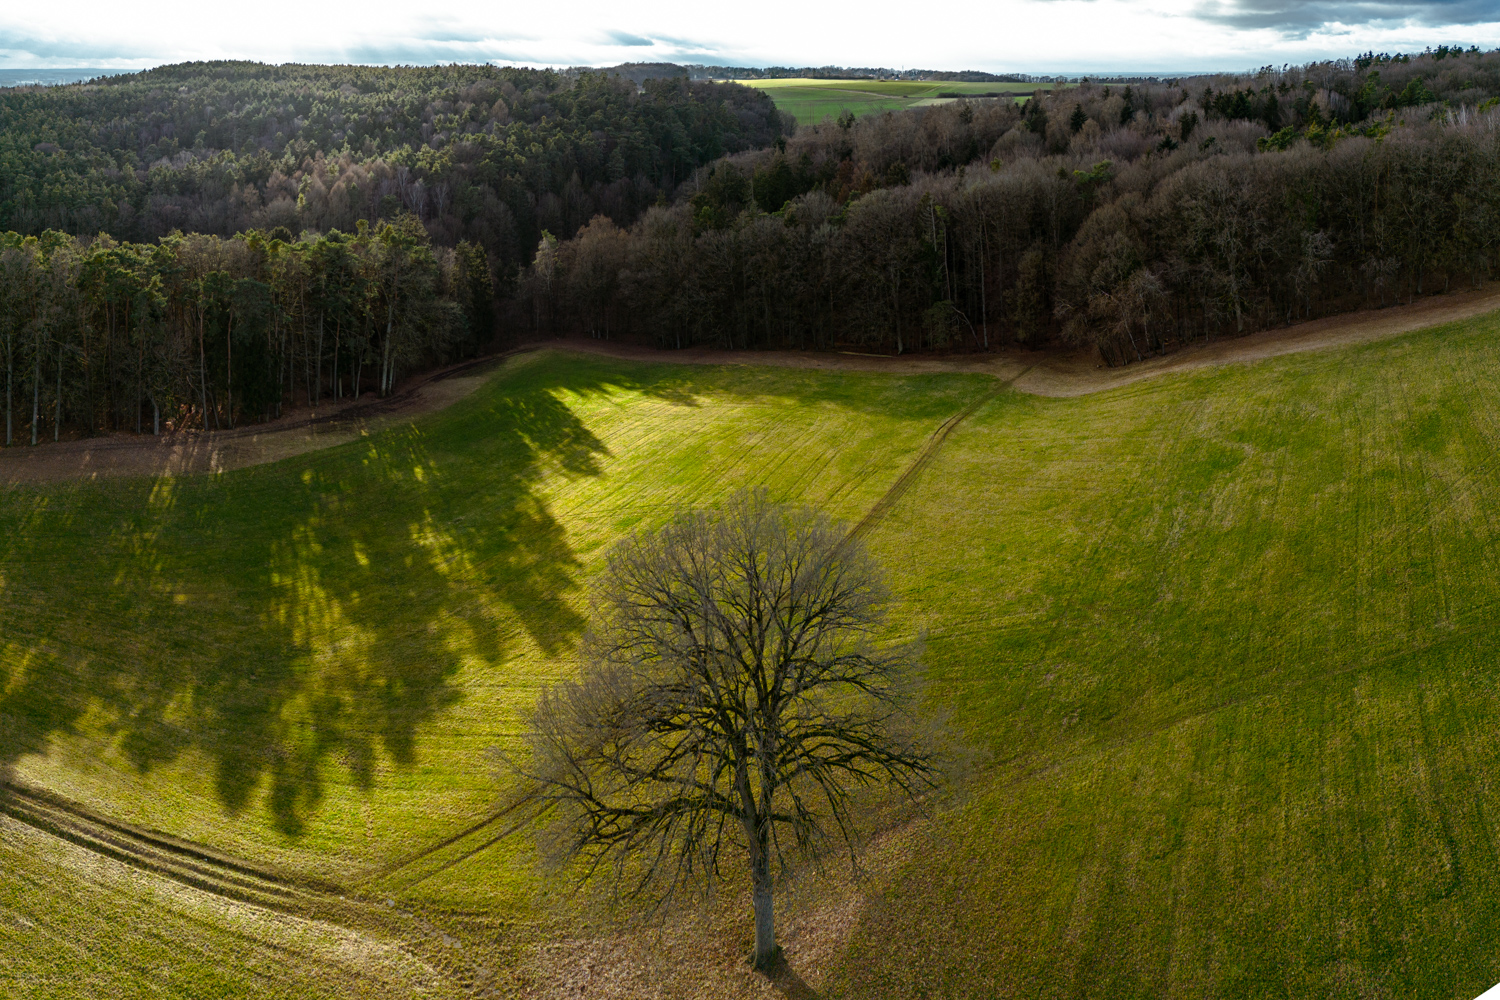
column 1030, row 36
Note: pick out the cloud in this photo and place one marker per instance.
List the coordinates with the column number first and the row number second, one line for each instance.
column 35, row 50
column 1032, row 36
column 427, row 51
column 711, row 52
column 627, row 39
column 1299, row 18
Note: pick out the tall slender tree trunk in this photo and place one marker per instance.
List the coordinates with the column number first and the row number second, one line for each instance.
column 88, row 382
column 984, row 310
column 36, row 387
column 229, row 371
column 282, row 343
column 390, row 326
column 318, row 381
column 896, row 308
column 202, row 371
column 10, row 366
column 57, row 399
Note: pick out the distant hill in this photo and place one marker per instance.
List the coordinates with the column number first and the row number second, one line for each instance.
column 494, row 155
column 30, row 77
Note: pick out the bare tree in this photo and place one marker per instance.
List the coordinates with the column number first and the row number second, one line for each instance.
column 732, row 700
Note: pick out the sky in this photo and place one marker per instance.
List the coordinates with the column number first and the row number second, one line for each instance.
column 1022, row 36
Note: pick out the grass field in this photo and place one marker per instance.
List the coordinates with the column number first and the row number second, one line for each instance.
column 1223, row 637
column 810, row 101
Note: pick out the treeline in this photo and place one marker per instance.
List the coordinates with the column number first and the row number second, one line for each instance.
column 1127, row 217
column 490, row 155
column 206, row 332
column 1313, row 101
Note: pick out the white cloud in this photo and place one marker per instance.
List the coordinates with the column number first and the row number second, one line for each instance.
column 998, row 35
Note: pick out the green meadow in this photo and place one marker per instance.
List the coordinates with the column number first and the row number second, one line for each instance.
column 812, row 100
column 1219, row 643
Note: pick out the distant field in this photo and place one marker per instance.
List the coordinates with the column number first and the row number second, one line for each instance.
column 810, row 101
column 1224, row 641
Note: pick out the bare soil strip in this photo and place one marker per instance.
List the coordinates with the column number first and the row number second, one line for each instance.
column 1079, row 373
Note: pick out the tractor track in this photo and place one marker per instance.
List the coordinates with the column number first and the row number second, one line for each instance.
column 213, row 872
column 182, row 861
column 933, row 445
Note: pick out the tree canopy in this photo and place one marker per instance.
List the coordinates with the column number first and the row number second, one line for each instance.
column 1129, row 218
column 733, row 698
column 490, row 155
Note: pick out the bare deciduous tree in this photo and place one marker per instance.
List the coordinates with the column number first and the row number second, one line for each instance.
column 732, row 701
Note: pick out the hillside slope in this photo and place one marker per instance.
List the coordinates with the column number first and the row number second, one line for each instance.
column 1220, row 638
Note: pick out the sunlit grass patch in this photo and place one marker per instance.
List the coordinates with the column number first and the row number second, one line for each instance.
column 812, row 100
column 1228, row 638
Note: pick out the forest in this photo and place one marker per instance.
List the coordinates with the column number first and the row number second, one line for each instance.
column 1127, row 217
column 200, row 245
column 492, row 156
column 202, row 331
column 197, row 244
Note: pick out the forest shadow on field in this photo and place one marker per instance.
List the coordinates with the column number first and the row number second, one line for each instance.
column 284, row 618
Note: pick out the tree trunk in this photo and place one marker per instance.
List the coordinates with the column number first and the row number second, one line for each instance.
column 390, row 326
column 984, row 309
column 10, row 365
column 318, row 382
column 57, row 399
column 202, row 371
column 229, row 373
column 36, row 388
column 766, row 951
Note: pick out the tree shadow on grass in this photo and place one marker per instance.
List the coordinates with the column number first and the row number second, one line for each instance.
column 785, row 980
column 280, row 618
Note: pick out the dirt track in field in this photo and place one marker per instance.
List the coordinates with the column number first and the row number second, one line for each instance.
column 238, row 882
column 296, row 433
column 1054, row 374
column 1062, row 374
